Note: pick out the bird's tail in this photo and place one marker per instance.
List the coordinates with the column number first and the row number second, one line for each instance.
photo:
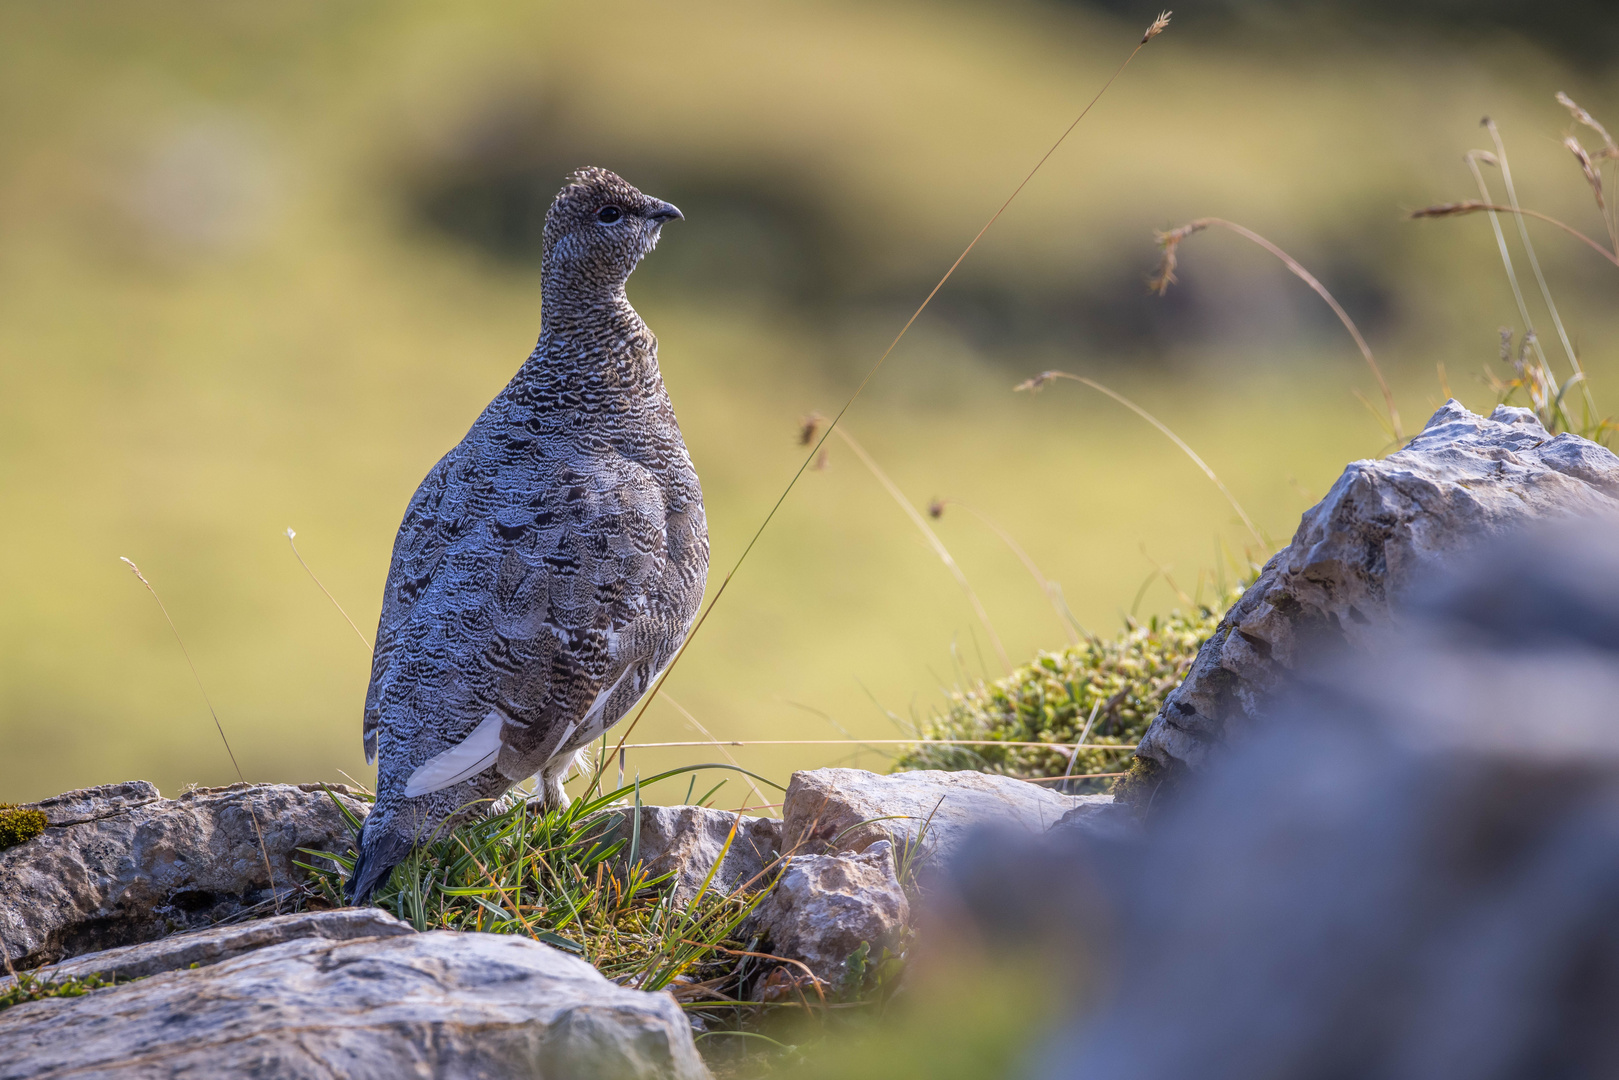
column 382, row 848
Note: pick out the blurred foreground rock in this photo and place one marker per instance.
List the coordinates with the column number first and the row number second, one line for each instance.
column 1414, row 876
column 826, row 907
column 1387, row 527
column 119, row 864
column 440, row 1004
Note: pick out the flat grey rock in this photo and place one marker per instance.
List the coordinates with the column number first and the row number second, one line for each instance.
column 446, row 1005
column 686, row 841
column 201, row 948
column 118, row 865
column 825, row 907
column 1386, row 528
column 835, row 810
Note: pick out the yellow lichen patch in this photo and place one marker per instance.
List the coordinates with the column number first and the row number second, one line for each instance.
column 19, row 824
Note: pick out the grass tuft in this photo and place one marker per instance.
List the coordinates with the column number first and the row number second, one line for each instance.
column 551, row 877
column 1101, row 693
column 1545, row 392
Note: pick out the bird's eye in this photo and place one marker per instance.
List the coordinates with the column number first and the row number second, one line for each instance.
column 609, row 214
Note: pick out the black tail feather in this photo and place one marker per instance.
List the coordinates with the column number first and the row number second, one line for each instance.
column 380, row 851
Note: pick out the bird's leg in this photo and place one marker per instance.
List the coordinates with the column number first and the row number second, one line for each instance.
column 551, row 791
column 555, row 772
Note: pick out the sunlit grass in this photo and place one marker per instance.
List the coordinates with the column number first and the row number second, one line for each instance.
column 570, row 879
column 552, row 877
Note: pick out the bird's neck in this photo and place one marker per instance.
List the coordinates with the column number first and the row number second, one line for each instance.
column 571, row 301
column 594, row 336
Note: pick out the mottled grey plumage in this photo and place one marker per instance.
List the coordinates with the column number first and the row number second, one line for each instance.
column 549, row 566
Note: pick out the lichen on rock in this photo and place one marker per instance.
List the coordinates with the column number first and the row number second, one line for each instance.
column 19, row 824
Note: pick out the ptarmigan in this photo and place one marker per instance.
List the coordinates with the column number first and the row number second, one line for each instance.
column 550, row 565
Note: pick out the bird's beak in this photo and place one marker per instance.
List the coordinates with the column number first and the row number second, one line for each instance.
column 663, row 212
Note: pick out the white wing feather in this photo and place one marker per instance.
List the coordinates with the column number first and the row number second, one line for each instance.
column 475, row 753
column 464, row 760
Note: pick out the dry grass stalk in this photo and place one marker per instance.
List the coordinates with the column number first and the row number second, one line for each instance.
column 257, row 832
column 1040, row 381
column 1591, row 164
column 933, row 541
column 292, row 542
column 1474, row 206
column 1051, row 589
column 1535, row 379
column 1534, row 260
column 1476, row 159
column 1165, row 277
column 1610, row 149
column 1157, row 27
column 1081, row 745
column 1594, row 426
column 1592, row 177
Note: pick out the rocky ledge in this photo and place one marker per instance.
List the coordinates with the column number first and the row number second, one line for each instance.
column 119, row 864
column 172, row 902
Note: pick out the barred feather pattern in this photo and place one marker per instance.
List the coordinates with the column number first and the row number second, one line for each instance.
column 556, row 555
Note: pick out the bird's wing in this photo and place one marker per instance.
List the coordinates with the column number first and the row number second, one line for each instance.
column 418, row 549
column 606, row 577
column 518, row 596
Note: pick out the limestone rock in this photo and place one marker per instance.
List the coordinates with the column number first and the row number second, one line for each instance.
column 851, row 809
column 442, row 1004
column 1384, row 529
column 826, row 906
column 201, row 948
column 686, row 841
column 119, row 865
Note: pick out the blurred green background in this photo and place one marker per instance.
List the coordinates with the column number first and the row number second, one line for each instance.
column 261, row 264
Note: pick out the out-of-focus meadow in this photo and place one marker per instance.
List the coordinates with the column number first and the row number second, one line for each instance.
column 261, row 264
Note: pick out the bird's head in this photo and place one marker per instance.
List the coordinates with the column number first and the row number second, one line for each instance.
column 599, row 227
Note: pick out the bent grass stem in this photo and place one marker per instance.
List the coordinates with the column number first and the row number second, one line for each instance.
column 933, row 541
column 1153, row 31
column 1040, row 380
column 1165, row 277
column 185, row 652
column 1473, row 206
